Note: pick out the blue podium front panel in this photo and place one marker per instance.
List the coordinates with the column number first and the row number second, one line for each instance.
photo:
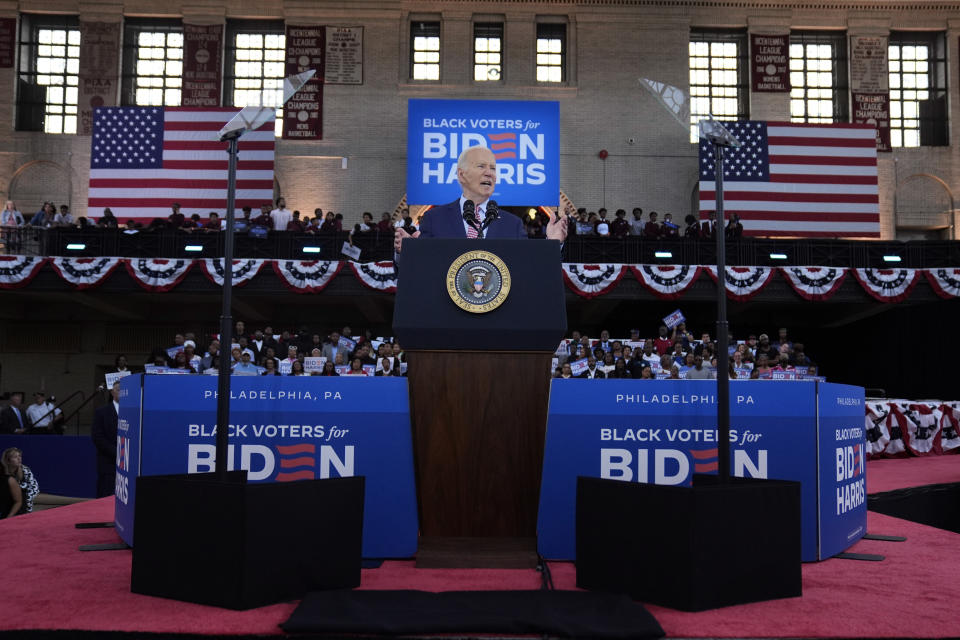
column 664, row 431
column 284, row 429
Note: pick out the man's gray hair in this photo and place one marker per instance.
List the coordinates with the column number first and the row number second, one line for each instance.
column 462, row 160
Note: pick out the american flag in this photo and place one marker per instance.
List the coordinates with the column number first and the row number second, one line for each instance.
column 143, row 159
column 815, row 180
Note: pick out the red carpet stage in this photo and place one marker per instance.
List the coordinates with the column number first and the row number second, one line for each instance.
column 912, row 593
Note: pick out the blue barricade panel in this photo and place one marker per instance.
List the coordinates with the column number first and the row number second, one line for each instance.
column 664, row 431
column 291, row 428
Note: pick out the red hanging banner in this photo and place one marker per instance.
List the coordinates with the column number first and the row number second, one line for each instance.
column 201, row 65
column 303, row 113
column 770, row 64
column 8, row 41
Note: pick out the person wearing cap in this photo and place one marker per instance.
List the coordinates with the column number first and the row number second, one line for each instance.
column 245, row 367
column 764, row 348
column 42, row 414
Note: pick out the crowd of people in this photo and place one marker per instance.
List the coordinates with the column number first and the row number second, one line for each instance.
column 261, row 352
column 277, row 217
column 676, row 354
column 590, row 223
column 270, row 217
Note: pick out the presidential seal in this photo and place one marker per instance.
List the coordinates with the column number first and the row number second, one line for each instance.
column 478, row 281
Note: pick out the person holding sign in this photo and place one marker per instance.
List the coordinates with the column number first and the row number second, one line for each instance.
column 467, row 217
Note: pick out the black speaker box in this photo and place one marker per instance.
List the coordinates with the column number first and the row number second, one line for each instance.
column 690, row 548
column 240, row 545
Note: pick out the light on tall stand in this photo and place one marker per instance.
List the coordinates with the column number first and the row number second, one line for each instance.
column 721, row 139
column 249, row 119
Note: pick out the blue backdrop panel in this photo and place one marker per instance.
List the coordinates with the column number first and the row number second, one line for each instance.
column 523, row 135
column 843, row 467
column 293, row 428
column 63, row 465
column 664, row 431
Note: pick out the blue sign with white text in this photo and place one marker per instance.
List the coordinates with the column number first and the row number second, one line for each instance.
column 128, row 455
column 664, row 431
column 524, row 137
column 843, row 467
column 284, row 429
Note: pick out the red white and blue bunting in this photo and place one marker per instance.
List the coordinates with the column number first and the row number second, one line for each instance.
column 923, row 429
column 591, row 280
column 157, row 274
column 243, row 270
column 307, row 276
column 666, row 281
column 945, row 282
column 17, row 271
column 815, row 283
column 380, row 276
column 742, row 283
column 875, row 425
column 887, row 285
column 949, row 426
column 84, row 273
column 587, row 280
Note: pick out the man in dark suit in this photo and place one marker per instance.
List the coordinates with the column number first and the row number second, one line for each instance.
column 13, row 419
column 477, row 174
column 104, row 435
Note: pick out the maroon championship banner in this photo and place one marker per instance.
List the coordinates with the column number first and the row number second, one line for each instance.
column 874, row 108
column 303, row 113
column 870, row 85
column 99, row 70
column 770, row 64
column 201, row 65
column 8, row 40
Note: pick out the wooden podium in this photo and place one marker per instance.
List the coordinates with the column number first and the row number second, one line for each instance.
column 479, row 392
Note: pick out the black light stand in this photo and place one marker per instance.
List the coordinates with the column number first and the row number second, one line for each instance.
column 232, row 139
column 723, row 326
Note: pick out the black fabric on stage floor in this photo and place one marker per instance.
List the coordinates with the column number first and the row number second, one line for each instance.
column 935, row 505
column 572, row 614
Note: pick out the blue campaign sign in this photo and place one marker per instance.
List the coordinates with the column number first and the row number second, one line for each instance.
column 292, row 428
column 523, row 135
column 664, row 431
column 843, row 467
column 128, row 455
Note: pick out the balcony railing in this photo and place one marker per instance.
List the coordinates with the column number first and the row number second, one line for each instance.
column 377, row 246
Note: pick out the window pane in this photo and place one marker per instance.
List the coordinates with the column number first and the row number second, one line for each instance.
column 722, row 90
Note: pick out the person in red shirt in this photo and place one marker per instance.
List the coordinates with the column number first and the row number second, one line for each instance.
column 620, row 228
column 708, row 228
column 175, row 219
column 651, row 229
column 669, row 229
column 295, row 224
column 213, row 223
column 663, row 344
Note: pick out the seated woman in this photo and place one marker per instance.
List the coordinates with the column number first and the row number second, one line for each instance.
column 296, row 369
column 356, row 368
column 12, row 502
column 270, row 367
column 329, row 369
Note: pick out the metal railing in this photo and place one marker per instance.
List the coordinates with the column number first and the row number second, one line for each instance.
column 377, row 246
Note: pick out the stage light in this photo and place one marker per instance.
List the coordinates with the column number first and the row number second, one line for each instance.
column 76, row 246
column 891, row 258
column 778, row 256
column 193, row 247
column 531, row 213
column 662, row 254
column 311, row 249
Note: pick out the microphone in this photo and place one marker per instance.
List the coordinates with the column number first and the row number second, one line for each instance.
column 470, row 213
column 493, row 212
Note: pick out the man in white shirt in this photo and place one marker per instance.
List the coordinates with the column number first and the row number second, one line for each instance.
column 42, row 413
column 281, row 216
